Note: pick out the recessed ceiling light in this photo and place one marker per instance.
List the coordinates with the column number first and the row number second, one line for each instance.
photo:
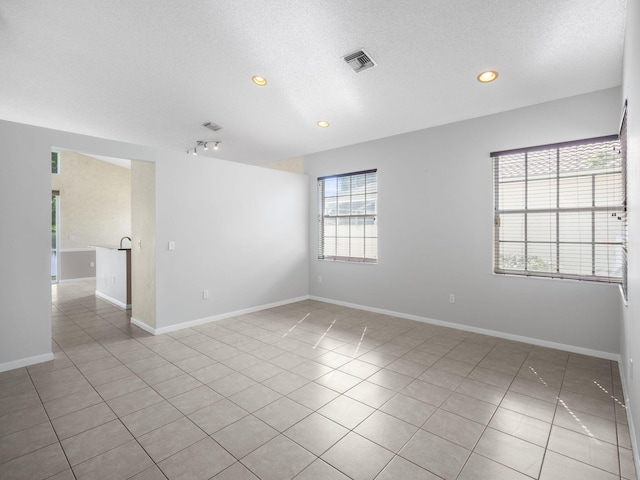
column 323, row 124
column 488, row 76
column 258, row 80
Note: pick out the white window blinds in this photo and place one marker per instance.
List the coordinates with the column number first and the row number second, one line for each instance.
column 560, row 211
column 348, row 217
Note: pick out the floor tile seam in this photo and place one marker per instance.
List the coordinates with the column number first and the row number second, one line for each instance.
column 619, row 474
column 511, row 468
column 56, row 441
column 399, row 454
column 592, row 437
column 59, row 442
column 137, row 439
column 68, row 467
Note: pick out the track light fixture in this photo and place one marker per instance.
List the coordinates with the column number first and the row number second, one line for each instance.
column 204, row 145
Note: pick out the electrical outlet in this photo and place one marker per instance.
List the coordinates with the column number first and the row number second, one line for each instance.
column 92, row 264
column 319, row 278
column 205, row 294
column 172, row 245
column 452, row 298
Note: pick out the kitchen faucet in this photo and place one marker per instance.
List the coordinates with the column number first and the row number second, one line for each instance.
column 129, row 238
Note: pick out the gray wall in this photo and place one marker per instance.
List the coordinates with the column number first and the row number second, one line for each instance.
column 76, row 264
column 436, row 229
column 239, row 231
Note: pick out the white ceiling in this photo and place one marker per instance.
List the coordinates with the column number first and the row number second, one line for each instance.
column 152, row 72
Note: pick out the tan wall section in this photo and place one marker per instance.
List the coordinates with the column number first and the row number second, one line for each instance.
column 293, row 165
column 95, row 201
column 143, row 247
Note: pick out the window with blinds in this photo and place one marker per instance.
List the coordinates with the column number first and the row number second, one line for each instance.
column 348, row 217
column 560, row 211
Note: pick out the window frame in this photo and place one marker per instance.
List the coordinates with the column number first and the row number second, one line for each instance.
column 366, row 216
column 558, row 210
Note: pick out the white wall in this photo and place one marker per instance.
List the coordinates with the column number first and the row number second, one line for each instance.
column 630, row 338
column 436, row 228
column 213, row 244
column 239, row 232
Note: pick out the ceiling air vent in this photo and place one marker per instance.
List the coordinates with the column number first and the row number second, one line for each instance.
column 359, row 61
column 212, row 126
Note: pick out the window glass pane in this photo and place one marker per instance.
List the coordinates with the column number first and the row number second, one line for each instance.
column 575, row 227
column 511, row 256
column 542, row 164
column 576, row 191
column 358, row 184
column 358, row 205
column 511, row 195
column 542, row 193
column 357, row 227
column 512, row 227
column 370, row 227
column 330, row 227
column 609, row 260
column 344, row 205
column 331, row 206
column 343, row 227
column 342, row 247
column 330, row 187
column 609, row 228
column 541, row 227
column 576, row 259
column 357, row 247
column 608, row 190
column 330, row 247
column 371, row 248
column 541, row 257
column 344, row 185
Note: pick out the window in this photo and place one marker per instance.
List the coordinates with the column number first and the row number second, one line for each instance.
column 348, row 217
column 560, row 211
column 55, row 162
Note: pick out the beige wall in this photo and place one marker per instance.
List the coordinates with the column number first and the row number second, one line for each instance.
column 95, row 201
column 143, row 246
column 293, row 165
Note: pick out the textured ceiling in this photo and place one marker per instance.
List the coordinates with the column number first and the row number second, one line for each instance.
column 152, row 72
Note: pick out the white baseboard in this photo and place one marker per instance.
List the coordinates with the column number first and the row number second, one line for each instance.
column 483, row 331
column 214, row 318
column 25, row 362
column 143, row 326
column 113, row 300
column 73, row 280
column 630, row 422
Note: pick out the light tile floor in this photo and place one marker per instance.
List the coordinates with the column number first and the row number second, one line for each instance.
column 305, row 391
